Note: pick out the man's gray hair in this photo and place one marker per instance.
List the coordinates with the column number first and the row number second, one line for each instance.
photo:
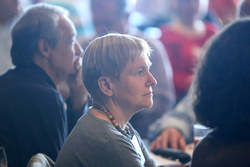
column 38, row 22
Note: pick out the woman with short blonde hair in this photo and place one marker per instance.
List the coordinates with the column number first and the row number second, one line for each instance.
column 116, row 74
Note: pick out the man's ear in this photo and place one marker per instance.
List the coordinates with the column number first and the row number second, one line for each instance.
column 105, row 86
column 44, row 48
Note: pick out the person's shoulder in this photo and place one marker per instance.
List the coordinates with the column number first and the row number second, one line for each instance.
column 18, row 83
column 10, row 81
column 7, row 74
column 96, row 134
column 98, row 129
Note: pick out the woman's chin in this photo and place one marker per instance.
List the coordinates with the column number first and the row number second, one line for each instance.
column 148, row 105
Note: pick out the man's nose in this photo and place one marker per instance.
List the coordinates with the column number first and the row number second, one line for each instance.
column 78, row 49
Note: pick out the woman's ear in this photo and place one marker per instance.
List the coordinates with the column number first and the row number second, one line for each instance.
column 105, row 86
column 44, row 48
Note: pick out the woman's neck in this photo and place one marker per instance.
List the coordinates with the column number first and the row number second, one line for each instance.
column 118, row 114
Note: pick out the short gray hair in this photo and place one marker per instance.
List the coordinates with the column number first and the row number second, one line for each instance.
column 108, row 56
column 38, row 22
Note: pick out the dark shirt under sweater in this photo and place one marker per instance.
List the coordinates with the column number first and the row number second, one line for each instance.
column 32, row 115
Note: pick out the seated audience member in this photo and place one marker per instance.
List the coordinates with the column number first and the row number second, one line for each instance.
column 183, row 39
column 243, row 9
column 32, row 114
column 112, row 16
column 9, row 10
column 222, row 94
column 116, row 75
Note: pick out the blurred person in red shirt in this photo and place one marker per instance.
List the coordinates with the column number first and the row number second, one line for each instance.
column 183, row 39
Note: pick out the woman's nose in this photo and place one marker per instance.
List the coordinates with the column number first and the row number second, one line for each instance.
column 151, row 80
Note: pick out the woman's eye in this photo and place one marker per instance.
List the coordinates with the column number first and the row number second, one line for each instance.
column 139, row 73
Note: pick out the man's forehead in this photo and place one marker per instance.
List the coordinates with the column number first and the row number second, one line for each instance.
column 66, row 26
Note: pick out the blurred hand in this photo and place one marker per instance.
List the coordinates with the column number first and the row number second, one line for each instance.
column 78, row 92
column 74, row 79
column 169, row 137
column 74, row 88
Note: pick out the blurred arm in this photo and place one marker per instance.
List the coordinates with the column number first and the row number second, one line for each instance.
column 174, row 127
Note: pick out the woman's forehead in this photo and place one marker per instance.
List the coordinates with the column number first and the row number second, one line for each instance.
column 141, row 61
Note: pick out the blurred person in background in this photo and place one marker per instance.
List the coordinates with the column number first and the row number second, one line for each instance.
column 112, row 16
column 152, row 13
column 176, row 127
column 9, row 10
column 183, row 39
column 221, row 99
